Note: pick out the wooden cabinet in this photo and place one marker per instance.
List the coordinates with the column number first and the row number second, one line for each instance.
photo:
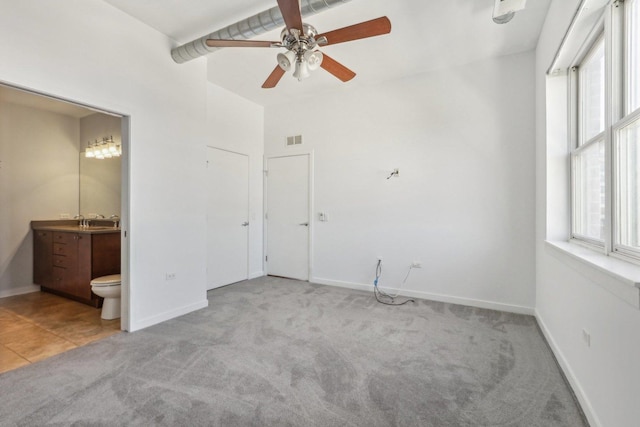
column 42, row 257
column 66, row 262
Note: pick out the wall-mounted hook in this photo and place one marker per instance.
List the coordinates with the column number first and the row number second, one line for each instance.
column 396, row 173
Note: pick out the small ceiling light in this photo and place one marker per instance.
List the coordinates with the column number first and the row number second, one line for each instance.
column 286, row 60
column 505, row 10
column 302, row 70
column 313, row 59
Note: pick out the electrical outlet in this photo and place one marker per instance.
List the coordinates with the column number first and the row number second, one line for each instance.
column 170, row 276
column 586, row 337
column 416, row 264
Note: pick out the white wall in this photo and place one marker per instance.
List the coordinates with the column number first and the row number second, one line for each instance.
column 236, row 124
column 463, row 205
column 570, row 296
column 38, row 180
column 88, row 51
column 100, row 179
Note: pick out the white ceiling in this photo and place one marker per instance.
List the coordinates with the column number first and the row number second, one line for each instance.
column 426, row 35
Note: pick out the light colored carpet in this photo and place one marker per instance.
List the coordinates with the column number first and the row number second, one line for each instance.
column 277, row 352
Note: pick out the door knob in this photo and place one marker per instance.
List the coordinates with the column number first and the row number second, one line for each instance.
column 245, row 224
column 306, row 224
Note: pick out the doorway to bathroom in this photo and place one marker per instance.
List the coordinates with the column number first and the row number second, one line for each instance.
column 45, row 175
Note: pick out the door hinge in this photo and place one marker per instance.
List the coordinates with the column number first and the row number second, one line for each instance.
column 266, row 216
column 266, row 172
column 266, row 258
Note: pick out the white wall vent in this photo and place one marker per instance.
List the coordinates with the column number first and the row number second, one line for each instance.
column 294, row 140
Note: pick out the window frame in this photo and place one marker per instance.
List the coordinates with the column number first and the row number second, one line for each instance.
column 599, row 37
column 615, row 30
column 617, row 247
column 626, row 37
column 577, row 129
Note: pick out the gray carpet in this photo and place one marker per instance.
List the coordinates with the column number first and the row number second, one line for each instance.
column 277, row 352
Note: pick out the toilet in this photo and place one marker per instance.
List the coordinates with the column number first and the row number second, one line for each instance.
column 108, row 287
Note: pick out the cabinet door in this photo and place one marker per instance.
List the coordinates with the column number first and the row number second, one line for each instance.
column 106, row 254
column 82, row 284
column 62, row 280
column 42, row 258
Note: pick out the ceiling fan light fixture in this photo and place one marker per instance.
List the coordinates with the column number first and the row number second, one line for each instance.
column 286, row 60
column 505, row 10
column 313, row 59
column 503, row 19
column 300, row 40
column 302, row 70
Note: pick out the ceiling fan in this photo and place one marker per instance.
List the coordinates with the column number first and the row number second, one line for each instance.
column 301, row 39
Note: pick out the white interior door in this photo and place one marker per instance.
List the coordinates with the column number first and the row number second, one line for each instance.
column 227, row 217
column 288, row 217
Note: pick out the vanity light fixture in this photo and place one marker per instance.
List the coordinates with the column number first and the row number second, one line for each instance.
column 105, row 149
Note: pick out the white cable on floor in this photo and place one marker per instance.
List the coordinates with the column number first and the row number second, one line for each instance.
column 377, row 290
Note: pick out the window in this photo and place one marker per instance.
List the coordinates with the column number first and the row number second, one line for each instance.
column 592, row 83
column 605, row 155
column 627, row 166
column 633, row 54
column 588, row 158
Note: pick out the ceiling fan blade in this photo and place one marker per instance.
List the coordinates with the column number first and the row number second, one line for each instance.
column 290, row 10
column 375, row 27
column 241, row 43
column 336, row 68
column 273, row 78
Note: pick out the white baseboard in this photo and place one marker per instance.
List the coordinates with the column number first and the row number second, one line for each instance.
column 256, row 274
column 167, row 315
column 518, row 309
column 19, row 291
column 585, row 404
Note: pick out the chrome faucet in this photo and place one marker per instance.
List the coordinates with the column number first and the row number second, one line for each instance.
column 116, row 220
column 81, row 221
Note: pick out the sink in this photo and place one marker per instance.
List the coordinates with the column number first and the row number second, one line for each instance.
column 68, row 227
column 71, row 226
column 90, row 228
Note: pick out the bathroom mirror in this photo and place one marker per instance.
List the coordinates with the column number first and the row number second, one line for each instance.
column 100, row 179
column 50, row 176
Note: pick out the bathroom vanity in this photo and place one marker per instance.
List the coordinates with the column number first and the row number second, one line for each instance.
column 66, row 257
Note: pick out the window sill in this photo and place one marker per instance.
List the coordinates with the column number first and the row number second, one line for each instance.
column 615, row 275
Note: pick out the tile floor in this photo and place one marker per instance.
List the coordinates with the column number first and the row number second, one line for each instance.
column 39, row 325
